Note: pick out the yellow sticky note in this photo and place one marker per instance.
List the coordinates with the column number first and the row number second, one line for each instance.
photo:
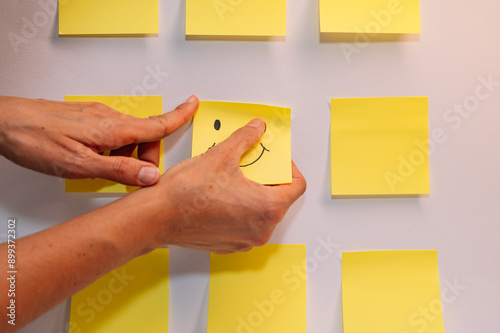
column 108, row 17
column 269, row 161
column 236, row 18
column 133, row 298
column 263, row 290
column 137, row 106
column 391, row 291
column 370, row 16
column 380, row 146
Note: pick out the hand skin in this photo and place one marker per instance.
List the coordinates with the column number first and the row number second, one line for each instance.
column 64, row 139
column 203, row 203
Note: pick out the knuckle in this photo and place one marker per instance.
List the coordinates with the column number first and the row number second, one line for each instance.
column 107, row 125
column 133, row 137
column 260, row 239
column 304, row 186
column 225, row 153
column 74, row 164
column 162, row 122
column 119, row 167
column 245, row 248
column 272, row 212
column 97, row 106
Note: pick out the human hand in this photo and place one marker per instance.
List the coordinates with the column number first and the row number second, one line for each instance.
column 64, row 139
column 210, row 205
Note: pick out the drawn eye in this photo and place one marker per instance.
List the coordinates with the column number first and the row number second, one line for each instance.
column 217, row 125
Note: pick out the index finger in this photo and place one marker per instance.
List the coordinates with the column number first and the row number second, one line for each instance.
column 155, row 128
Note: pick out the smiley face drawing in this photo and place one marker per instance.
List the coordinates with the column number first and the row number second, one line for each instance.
column 269, row 161
column 217, row 126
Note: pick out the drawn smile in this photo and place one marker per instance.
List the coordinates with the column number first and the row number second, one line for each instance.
column 258, row 158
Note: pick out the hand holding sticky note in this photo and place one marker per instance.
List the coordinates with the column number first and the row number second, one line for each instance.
column 268, row 162
column 137, row 106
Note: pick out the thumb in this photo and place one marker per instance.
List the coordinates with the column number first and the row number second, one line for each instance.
column 245, row 138
column 124, row 170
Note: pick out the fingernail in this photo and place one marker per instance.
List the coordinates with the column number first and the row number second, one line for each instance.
column 255, row 122
column 191, row 99
column 148, row 175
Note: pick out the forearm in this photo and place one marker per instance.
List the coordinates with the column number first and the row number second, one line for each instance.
column 203, row 203
column 56, row 263
column 3, row 123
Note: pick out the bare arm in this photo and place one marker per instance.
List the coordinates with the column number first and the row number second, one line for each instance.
column 203, row 203
column 55, row 263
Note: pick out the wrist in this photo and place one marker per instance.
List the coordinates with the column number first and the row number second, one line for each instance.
column 11, row 120
column 137, row 222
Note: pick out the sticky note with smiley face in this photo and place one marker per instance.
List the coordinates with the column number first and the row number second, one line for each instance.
column 269, row 161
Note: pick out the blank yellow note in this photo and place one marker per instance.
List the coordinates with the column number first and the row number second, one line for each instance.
column 133, row 298
column 137, row 106
column 370, row 16
column 236, row 17
column 391, row 291
column 108, row 17
column 261, row 291
column 380, row 146
column 269, row 162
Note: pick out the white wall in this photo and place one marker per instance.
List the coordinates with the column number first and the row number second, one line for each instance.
column 460, row 42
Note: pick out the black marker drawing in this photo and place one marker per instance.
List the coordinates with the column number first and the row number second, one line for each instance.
column 258, row 158
column 217, row 126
